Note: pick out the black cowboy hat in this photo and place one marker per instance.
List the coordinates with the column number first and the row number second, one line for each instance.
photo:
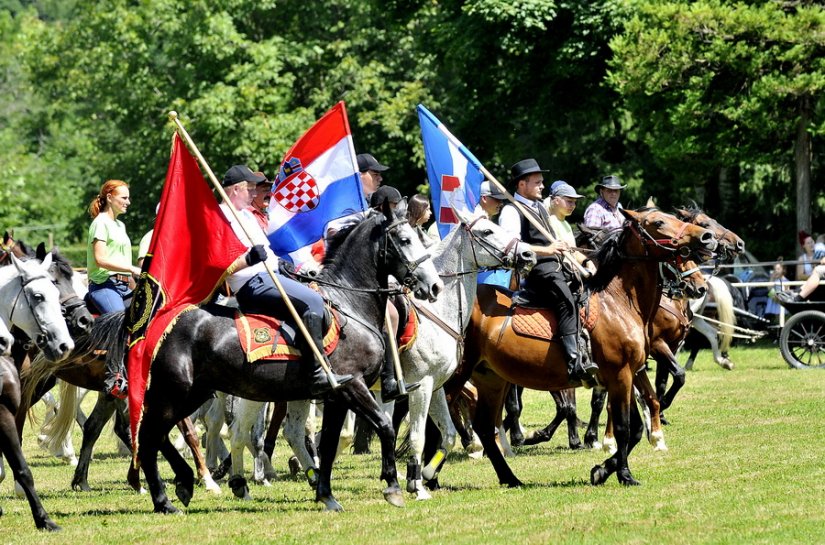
column 610, row 182
column 523, row 168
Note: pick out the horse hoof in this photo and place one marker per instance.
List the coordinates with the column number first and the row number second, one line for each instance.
column 394, row 496
column 576, row 446
column 49, row 525
column 629, row 481
column 294, row 466
column 211, row 486
column 513, row 483
column 239, row 487
column 184, row 490
column 81, row 486
column 594, row 445
column 167, row 509
column 598, row 475
column 331, row 505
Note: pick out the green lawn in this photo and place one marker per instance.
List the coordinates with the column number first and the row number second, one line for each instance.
column 745, row 466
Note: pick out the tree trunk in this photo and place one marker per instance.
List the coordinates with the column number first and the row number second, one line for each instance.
column 802, row 162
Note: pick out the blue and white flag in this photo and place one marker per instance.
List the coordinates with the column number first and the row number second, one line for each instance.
column 454, row 173
column 318, row 181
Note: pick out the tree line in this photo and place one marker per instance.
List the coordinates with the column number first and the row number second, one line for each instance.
column 713, row 102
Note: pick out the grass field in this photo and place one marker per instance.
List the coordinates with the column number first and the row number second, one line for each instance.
column 745, row 466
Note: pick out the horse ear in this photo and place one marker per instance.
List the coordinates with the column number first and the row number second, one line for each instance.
column 25, row 248
column 40, row 252
column 18, row 264
column 47, row 261
column 651, row 203
column 630, row 214
column 6, row 237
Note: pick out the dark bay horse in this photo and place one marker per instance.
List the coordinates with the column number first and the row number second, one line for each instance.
column 84, row 368
column 202, row 354
column 629, row 293
column 670, row 327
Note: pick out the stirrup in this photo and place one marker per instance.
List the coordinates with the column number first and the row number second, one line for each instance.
column 394, row 393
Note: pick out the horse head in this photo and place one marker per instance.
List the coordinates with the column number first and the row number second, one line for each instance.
column 729, row 243
column 6, row 339
column 662, row 236
column 405, row 256
column 34, row 307
column 492, row 246
column 77, row 315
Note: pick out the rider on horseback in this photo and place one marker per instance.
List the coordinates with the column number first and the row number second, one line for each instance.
column 253, row 287
column 548, row 280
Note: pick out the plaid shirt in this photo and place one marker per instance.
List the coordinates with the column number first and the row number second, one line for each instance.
column 600, row 215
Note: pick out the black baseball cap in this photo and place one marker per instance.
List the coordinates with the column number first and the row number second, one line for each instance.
column 368, row 162
column 241, row 173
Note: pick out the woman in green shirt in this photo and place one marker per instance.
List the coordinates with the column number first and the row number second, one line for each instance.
column 109, row 263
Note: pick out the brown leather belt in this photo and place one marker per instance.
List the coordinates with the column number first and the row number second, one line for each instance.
column 120, row 277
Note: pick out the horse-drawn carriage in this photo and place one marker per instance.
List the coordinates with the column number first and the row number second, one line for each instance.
column 802, row 339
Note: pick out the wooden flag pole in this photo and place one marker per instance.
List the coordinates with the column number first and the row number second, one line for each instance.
column 399, row 376
column 526, row 213
column 294, row 313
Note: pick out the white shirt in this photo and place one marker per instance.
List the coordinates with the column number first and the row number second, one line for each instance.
column 510, row 218
column 238, row 279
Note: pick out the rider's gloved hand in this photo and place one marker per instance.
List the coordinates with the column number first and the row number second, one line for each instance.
column 255, row 255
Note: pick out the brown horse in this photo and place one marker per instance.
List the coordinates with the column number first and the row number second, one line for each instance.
column 628, row 282
column 670, row 327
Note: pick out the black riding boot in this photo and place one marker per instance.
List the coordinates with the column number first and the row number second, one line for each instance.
column 320, row 380
column 390, row 389
column 575, row 373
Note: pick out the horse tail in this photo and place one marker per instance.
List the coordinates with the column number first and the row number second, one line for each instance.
column 59, row 427
column 724, row 311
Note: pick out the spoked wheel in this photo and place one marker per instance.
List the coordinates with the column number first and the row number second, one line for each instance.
column 802, row 341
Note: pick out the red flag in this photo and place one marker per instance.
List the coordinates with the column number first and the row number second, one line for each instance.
column 192, row 248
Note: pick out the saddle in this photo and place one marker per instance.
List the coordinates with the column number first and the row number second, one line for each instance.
column 541, row 323
column 266, row 338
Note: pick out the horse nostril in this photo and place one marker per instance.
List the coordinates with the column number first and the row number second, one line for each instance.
column 707, row 236
column 701, row 292
column 740, row 245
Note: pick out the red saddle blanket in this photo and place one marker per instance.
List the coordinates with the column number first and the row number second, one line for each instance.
column 409, row 331
column 541, row 323
column 257, row 334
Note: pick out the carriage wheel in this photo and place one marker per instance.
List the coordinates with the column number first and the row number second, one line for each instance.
column 802, row 341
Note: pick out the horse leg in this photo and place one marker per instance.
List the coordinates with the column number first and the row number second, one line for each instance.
column 184, row 476
column 334, row 414
column 364, row 404
column 263, row 465
column 512, row 408
column 13, row 452
column 103, row 410
column 657, row 436
column 124, row 434
column 491, row 392
column 295, row 432
column 419, row 402
column 440, row 414
column 190, row 436
column 597, row 401
column 620, row 392
column 568, row 398
column 216, row 453
column 679, row 377
column 275, row 422
column 663, row 367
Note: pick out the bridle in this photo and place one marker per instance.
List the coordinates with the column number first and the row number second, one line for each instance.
column 42, row 338
column 408, row 279
column 505, row 260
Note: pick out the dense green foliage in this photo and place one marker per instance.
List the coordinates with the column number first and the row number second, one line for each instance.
column 745, row 461
column 685, row 100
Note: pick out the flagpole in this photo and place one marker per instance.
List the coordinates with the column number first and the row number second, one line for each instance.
column 173, row 116
column 524, row 212
column 402, row 387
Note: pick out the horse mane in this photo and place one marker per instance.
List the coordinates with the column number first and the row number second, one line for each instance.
column 688, row 213
column 336, row 241
column 107, row 333
column 63, row 265
column 608, row 260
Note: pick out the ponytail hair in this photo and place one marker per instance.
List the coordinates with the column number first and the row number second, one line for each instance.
column 98, row 204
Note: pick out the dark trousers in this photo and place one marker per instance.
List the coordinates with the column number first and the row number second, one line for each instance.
column 548, row 282
column 260, row 296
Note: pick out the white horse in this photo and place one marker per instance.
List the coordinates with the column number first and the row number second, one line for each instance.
column 720, row 337
column 434, row 356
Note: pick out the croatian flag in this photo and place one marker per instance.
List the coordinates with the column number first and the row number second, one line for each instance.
column 454, row 173
column 318, row 181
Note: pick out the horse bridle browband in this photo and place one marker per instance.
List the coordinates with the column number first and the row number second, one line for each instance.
column 503, row 258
